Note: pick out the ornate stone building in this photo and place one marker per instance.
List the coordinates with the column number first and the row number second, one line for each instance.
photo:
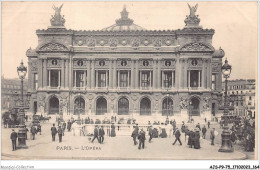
column 125, row 70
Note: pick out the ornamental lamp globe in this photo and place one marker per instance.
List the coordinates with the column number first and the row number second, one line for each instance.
column 21, row 70
column 226, row 69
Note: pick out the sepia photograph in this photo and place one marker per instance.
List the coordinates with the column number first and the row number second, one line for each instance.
column 129, row 80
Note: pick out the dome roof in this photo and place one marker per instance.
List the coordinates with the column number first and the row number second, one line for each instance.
column 124, row 24
column 219, row 53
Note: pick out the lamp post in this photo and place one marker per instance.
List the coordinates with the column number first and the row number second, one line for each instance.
column 22, row 70
column 226, row 143
column 167, row 106
column 190, row 108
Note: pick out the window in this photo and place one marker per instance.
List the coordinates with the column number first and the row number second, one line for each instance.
column 250, row 98
column 79, row 80
column 102, row 78
column 35, row 83
column 213, row 79
column 194, row 78
column 146, row 77
column 54, row 78
column 124, row 78
column 168, row 79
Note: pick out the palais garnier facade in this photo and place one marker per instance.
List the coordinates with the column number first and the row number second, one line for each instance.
column 125, row 70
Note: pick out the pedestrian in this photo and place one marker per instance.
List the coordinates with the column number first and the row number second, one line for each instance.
column 197, row 139
column 101, row 135
column 108, row 130
column 233, row 137
column 39, row 129
column 208, row 124
column 95, row 134
column 53, row 132
column 69, row 125
column 212, row 136
column 177, row 137
column 13, row 137
column 60, row 132
column 26, row 130
column 135, row 134
column 190, row 139
column 141, row 138
column 205, row 120
column 113, row 130
column 150, row 130
column 33, row 131
column 187, row 131
column 63, row 128
column 198, row 126
column 204, row 130
column 183, row 127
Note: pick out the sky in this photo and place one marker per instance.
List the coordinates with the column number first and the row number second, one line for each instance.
column 235, row 25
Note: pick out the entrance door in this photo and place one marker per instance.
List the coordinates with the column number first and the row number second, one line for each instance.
column 54, row 105
column 101, row 108
column 195, row 106
column 145, row 107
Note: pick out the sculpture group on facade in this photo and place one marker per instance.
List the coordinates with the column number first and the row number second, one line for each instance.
column 57, row 19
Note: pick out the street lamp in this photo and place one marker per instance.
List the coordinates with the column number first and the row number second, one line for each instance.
column 22, row 70
column 168, row 107
column 226, row 143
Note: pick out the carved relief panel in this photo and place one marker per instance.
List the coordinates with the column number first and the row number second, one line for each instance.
column 195, row 63
column 146, row 63
column 53, row 63
column 216, row 67
column 79, row 63
column 123, row 63
column 168, row 63
column 102, row 63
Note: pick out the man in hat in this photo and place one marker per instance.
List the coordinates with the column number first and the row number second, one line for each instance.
column 135, row 134
column 150, row 130
column 198, row 126
column 101, row 135
column 33, row 131
column 212, row 136
column 204, row 130
column 53, row 132
column 141, row 138
column 177, row 136
column 95, row 134
column 13, row 137
column 69, row 125
column 60, row 132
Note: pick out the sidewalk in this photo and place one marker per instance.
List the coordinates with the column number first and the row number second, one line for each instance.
column 80, row 148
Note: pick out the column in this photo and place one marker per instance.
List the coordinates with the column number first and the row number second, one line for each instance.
column 40, row 78
column 203, row 75
column 185, row 74
column 209, row 75
column 88, row 74
column 96, row 78
column 151, row 79
column 140, row 79
column 59, row 78
column 114, row 74
column 188, row 78
column 67, row 74
column 92, row 74
column 132, row 74
column 199, row 85
column 128, row 76
column 163, row 78
column 106, row 78
column 173, row 78
column 137, row 74
column 118, row 79
column 84, row 79
column 110, row 74
column 159, row 74
column 75, row 78
column 62, row 74
column 49, row 78
column 177, row 73
column 154, row 74
column 44, row 73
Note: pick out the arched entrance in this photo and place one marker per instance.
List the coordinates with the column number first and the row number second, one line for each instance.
column 101, row 106
column 123, row 106
column 167, row 107
column 195, row 106
column 145, row 106
column 79, row 106
column 54, row 105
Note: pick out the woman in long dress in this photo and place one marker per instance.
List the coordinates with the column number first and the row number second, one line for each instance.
column 113, row 130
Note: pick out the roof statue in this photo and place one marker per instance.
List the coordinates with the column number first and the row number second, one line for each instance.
column 192, row 20
column 57, row 19
column 124, row 23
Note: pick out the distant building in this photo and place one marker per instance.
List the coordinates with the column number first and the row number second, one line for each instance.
column 11, row 92
column 125, row 70
column 241, row 94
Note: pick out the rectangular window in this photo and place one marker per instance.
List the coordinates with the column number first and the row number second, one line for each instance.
column 146, row 79
column 35, row 83
column 194, row 78
column 213, row 80
column 124, row 77
column 168, row 79
column 102, row 78
column 79, row 78
column 54, row 78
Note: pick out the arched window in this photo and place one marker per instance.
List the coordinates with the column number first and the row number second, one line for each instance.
column 54, row 105
column 79, row 106
column 195, row 106
column 101, row 106
column 123, row 106
column 167, row 107
column 145, row 106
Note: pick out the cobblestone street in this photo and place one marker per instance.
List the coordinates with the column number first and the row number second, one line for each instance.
column 120, row 147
